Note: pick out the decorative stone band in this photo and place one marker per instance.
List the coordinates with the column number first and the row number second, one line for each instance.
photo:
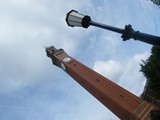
column 145, row 111
column 149, row 110
column 55, row 55
column 133, row 115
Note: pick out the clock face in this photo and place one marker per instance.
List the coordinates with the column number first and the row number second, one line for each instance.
column 67, row 59
column 63, row 67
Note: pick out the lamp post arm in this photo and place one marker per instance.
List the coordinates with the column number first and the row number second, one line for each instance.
column 107, row 27
column 151, row 39
column 129, row 32
column 136, row 35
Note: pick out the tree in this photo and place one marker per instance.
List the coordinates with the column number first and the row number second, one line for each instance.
column 151, row 70
column 156, row 2
column 155, row 115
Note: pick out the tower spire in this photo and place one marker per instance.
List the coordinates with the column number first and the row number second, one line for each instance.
column 121, row 102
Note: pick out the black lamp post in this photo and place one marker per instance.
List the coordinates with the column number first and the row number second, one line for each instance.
column 74, row 18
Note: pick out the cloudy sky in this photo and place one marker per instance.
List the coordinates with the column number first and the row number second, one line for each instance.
column 31, row 88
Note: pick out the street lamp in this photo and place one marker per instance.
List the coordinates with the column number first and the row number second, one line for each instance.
column 74, row 18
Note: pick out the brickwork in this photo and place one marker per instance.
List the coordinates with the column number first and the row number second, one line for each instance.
column 121, row 102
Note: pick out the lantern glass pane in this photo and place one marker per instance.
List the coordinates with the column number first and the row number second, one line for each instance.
column 76, row 19
column 76, row 14
column 72, row 23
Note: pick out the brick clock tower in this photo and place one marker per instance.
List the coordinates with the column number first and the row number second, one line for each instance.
column 121, row 102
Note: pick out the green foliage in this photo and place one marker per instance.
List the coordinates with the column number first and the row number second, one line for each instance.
column 155, row 115
column 151, row 70
column 156, row 2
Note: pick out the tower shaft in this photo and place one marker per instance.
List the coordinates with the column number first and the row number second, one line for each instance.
column 121, row 102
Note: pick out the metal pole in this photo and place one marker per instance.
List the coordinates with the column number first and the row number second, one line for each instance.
column 136, row 35
column 151, row 39
column 129, row 32
column 107, row 27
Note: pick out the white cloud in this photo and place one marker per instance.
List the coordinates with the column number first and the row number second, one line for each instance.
column 25, row 27
column 125, row 73
column 110, row 68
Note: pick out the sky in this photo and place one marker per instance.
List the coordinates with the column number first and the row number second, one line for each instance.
column 32, row 88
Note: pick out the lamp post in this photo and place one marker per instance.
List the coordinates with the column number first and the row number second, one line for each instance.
column 74, row 18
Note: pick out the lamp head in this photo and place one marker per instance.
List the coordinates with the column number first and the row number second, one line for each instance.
column 74, row 18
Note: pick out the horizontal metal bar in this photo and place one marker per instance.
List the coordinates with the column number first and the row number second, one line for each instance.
column 107, row 27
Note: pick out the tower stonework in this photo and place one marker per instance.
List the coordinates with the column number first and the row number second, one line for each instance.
column 121, row 102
